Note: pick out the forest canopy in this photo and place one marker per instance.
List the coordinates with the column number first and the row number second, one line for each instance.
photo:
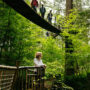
column 20, row 39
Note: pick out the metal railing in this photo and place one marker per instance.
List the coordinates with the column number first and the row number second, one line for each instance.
column 21, row 78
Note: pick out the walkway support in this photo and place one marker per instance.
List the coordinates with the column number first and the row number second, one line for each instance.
column 21, row 7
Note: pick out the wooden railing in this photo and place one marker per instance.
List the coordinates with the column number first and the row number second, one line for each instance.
column 21, row 78
column 7, row 74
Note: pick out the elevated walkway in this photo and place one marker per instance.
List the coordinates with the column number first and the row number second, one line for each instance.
column 21, row 7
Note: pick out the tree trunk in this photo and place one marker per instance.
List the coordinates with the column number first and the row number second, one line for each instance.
column 69, row 6
column 69, row 59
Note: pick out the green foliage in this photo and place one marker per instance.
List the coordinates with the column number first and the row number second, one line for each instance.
column 80, row 82
column 20, row 39
column 54, row 68
column 17, row 36
column 52, row 50
column 76, row 27
column 72, row 24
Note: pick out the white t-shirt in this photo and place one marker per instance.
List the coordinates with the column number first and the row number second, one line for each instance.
column 38, row 63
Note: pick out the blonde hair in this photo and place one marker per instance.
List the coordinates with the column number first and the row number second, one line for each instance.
column 38, row 54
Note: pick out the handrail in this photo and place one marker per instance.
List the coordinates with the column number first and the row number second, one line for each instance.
column 27, row 67
column 20, row 67
column 7, row 67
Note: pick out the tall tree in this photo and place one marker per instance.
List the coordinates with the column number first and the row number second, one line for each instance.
column 69, row 6
column 69, row 63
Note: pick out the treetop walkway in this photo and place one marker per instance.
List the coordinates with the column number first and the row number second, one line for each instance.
column 25, row 10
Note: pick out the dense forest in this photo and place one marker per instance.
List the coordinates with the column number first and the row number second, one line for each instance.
column 67, row 54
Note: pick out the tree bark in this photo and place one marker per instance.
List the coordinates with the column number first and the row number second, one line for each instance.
column 69, row 59
column 69, row 6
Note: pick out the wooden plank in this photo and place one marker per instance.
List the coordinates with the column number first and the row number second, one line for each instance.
column 32, row 74
column 7, row 67
column 28, row 67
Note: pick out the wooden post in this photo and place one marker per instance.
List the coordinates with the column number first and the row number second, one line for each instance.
column 17, row 64
column 26, row 79
column 0, row 78
column 43, row 79
column 15, row 75
column 22, row 79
